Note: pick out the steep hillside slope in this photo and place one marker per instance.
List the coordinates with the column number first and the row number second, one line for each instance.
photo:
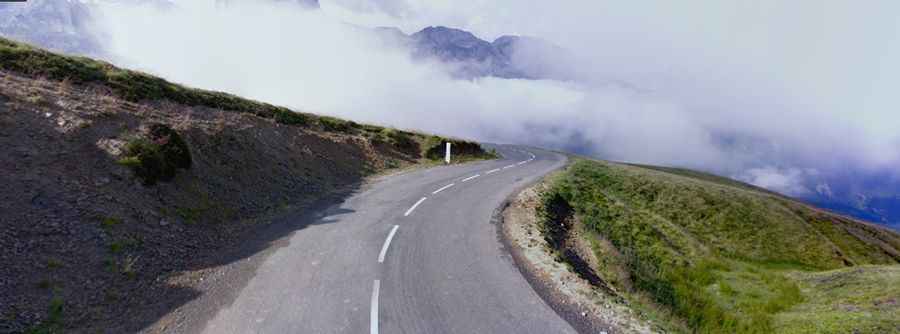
column 707, row 254
column 121, row 189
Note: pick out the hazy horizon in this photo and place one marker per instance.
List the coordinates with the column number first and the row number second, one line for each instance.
column 795, row 97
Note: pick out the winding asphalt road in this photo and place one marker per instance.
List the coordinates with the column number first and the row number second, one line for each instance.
column 413, row 253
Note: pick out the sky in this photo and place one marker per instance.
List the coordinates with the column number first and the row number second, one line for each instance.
column 798, row 97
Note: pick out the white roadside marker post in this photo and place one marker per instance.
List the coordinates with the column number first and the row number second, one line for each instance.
column 447, row 154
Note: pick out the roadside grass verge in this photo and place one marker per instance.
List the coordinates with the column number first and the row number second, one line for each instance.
column 717, row 255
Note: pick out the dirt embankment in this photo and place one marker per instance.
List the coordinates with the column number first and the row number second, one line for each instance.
column 559, row 264
column 90, row 247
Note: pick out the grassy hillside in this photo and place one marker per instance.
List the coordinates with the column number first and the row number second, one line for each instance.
column 123, row 191
column 135, row 86
column 707, row 254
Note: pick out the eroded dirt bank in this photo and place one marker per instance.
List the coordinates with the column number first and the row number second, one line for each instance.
column 90, row 247
column 558, row 264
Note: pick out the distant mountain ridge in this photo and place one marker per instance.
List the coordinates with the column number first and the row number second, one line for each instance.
column 59, row 25
column 509, row 57
column 68, row 25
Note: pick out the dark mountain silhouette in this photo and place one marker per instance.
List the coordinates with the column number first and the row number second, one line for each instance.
column 511, row 57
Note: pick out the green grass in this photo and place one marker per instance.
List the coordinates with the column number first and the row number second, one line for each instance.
column 53, row 263
column 863, row 299
column 116, row 247
column 719, row 255
column 127, row 242
column 403, row 141
column 190, row 215
column 109, row 222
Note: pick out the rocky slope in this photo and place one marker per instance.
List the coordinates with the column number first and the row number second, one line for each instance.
column 122, row 190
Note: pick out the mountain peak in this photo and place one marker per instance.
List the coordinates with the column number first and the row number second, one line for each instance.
column 445, row 36
column 508, row 56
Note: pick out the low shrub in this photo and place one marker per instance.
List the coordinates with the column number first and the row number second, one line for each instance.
column 401, row 140
column 54, row 263
column 334, row 124
column 157, row 155
column 458, row 148
column 291, row 118
column 109, row 222
column 116, row 247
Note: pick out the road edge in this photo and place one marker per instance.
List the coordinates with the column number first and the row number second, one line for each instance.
column 220, row 286
column 581, row 318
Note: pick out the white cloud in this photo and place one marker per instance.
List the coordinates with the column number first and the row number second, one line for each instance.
column 788, row 181
column 732, row 88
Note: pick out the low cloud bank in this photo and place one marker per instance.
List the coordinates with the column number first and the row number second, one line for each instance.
column 785, row 96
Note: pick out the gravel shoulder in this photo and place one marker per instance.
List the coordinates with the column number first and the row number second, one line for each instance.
column 587, row 308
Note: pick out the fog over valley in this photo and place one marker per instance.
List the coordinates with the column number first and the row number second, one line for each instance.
column 800, row 104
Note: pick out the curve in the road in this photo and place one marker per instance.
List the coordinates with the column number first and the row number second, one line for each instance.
column 387, row 242
column 440, row 268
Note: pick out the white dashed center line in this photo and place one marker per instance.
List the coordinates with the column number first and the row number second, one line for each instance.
column 373, row 317
column 442, row 189
column 387, row 243
column 414, row 206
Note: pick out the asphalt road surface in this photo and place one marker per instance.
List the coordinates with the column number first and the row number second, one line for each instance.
column 412, row 253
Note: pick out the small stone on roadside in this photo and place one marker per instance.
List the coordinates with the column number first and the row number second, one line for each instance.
column 163, row 222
